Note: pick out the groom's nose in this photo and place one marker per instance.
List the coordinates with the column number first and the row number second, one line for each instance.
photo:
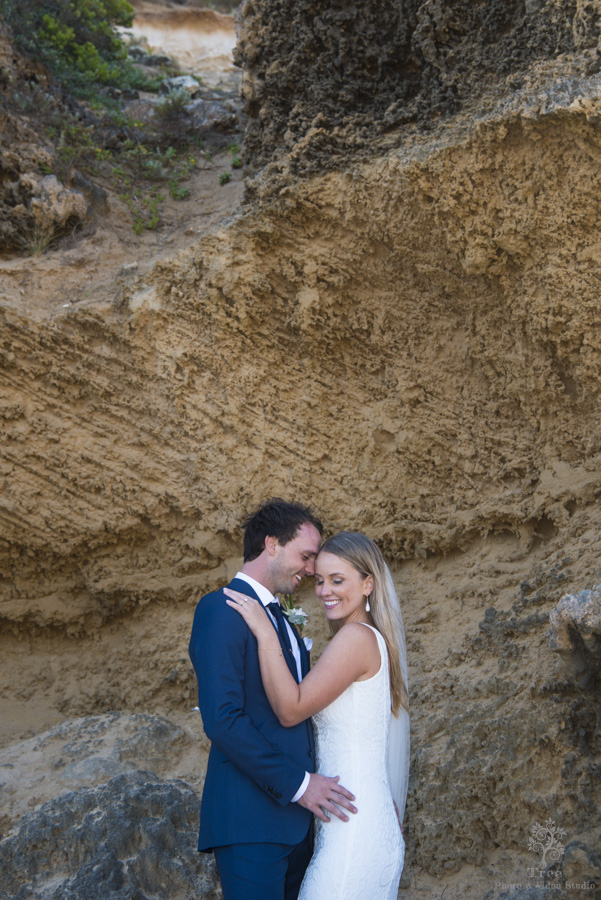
column 310, row 566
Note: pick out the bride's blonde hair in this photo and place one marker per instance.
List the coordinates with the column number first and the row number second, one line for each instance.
column 361, row 552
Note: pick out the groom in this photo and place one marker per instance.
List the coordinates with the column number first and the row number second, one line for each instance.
column 260, row 790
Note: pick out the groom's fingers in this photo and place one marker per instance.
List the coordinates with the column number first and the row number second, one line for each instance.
column 339, row 789
column 325, row 796
column 342, row 797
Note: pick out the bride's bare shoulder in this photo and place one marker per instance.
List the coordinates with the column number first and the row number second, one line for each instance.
column 353, row 650
column 356, row 633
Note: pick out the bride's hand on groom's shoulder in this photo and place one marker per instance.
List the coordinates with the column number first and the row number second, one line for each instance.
column 251, row 611
column 325, row 795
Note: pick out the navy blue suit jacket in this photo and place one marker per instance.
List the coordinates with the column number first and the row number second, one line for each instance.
column 255, row 764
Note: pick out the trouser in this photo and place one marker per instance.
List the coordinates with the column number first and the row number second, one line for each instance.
column 263, row 871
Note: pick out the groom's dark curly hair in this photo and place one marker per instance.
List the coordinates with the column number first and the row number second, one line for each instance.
column 275, row 518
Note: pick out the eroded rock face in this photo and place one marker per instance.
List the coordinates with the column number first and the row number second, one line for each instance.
column 323, row 79
column 410, row 342
column 342, row 343
column 51, row 204
column 405, row 346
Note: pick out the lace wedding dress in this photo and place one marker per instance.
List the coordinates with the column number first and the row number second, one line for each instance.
column 361, row 859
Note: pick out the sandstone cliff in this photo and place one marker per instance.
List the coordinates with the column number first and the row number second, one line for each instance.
column 400, row 326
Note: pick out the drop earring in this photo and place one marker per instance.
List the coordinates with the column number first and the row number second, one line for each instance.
column 367, row 606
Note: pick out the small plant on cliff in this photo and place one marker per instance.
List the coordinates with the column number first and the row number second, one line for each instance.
column 236, row 163
column 235, row 151
column 34, row 99
column 35, row 239
column 144, row 210
column 172, row 104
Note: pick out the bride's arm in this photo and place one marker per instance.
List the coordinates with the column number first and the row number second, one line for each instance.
column 352, row 653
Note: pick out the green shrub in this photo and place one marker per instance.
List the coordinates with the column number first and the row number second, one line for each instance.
column 77, row 40
column 172, row 104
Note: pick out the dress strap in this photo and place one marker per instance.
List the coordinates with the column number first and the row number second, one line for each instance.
column 381, row 647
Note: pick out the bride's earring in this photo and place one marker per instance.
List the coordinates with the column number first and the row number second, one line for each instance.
column 367, row 606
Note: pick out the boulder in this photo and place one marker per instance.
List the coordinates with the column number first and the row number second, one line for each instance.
column 180, row 83
column 575, row 631
column 89, row 751
column 215, row 115
column 134, row 837
column 48, row 204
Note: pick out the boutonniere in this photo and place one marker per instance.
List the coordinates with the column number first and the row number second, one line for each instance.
column 296, row 615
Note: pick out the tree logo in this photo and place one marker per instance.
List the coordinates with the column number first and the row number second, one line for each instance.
column 545, row 839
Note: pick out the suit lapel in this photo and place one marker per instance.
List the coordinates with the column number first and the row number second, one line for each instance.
column 288, row 655
column 245, row 588
column 237, row 584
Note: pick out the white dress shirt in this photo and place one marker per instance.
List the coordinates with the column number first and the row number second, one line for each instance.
column 266, row 597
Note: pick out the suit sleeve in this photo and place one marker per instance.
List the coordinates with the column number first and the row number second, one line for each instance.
column 218, row 647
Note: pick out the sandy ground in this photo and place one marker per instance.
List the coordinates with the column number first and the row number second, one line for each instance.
column 95, row 269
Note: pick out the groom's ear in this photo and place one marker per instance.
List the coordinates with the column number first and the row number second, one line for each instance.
column 271, row 545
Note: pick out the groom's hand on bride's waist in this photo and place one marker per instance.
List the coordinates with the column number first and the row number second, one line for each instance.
column 324, row 795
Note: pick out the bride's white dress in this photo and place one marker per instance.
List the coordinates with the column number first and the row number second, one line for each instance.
column 361, row 859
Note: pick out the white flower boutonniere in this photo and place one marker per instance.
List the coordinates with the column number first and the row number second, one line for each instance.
column 296, row 615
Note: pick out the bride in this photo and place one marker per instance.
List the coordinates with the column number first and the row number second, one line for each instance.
column 357, row 696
